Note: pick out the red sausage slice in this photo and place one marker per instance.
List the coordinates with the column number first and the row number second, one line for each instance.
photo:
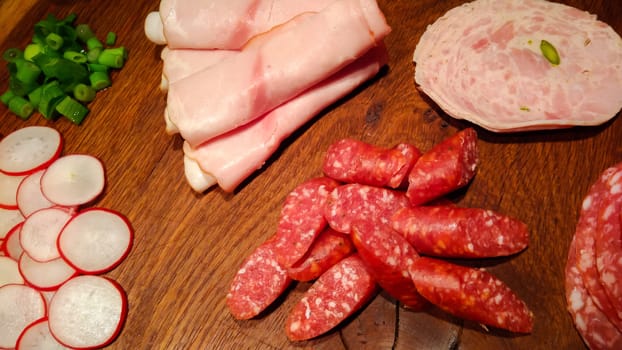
column 302, row 219
column 460, row 232
column 446, row 167
column 259, row 281
column 388, row 256
column 353, row 202
column 329, row 248
column 472, row 294
column 338, row 293
column 353, row 161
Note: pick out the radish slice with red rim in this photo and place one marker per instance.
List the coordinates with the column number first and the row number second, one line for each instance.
column 40, row 232
column 8, row 219
column 47, row 275
column 95, row 240
column 29, row 149
column 9, row 272
column 8, row 190
column 11, row 246
column 29, row 196
column 87, row 312
column 37, row 336
column 20, row 306
column 73, row 180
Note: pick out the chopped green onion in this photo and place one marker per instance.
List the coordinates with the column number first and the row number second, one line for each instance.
column 549, row 52
column 27, row 71
column 35, row 96
column 99, row 80
column 31, row 51
column 75, row 56
column 72, row 110
column 21, row 88
column 84, row 93
column 93, row 42
column 54, row 41
column 96, row 67
column 21, row 107
column 111, row 38
column 84, row 32
column 111, row 58
column 6, row 97
column 70, row 18
column 93, row 54
column 62, row 69
column 12, row 54
column 51, row 95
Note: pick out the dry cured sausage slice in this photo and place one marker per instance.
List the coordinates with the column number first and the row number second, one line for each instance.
column 472, row 294
column 338, row 293
column 329, row 248
column 388, row 256
column 460, row 232
column 302, row 219
column 354, row 161
column 448, row 166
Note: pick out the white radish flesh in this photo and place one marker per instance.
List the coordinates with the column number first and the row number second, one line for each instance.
column 8, row 190
column 96, row 240
column 29, row 195
column 12, row 248
column 9, row 272
column 20, row 306
column 29, row 149
column 37, row 336
column 87, row 311
column 73, row 180
column 8, row 219
column 47, row 275
column 40, row 232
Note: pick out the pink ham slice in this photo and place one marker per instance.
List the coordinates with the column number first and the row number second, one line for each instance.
column 231, row 158
column 181, row 63
column 482, row 62
column 244, row 87
column 217, row 24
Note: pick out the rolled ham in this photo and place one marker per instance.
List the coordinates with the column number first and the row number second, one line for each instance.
column 244, row 87
column 181, row 63
column 229, row 159
column 217, row 24
column 483, row 62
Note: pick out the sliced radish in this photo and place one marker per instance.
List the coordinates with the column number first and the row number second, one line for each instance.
column 47, row 275
column 95, row 240
column 8, row 219
column 37, row 336
column 12, row 248
column 29, row 197
column 8, row 190
column 20, row 306
column 87, row 311
column 29, row 149
column 9, row 272
column 48, row 295
column 73, row 180
column 40, row 232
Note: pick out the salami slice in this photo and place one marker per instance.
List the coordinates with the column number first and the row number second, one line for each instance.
column 592, row 324
column 353, row 161
column 455, row 232
column 388, row 256
column 259, row 281
column 302, row 219
column 472, row 294
column 338, row 293
column 585, row 236
column 329, row 248
column 448, row 166
column 351, row 202
column 609, row 240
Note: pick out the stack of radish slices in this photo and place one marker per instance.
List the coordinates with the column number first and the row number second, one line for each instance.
column 54, row 249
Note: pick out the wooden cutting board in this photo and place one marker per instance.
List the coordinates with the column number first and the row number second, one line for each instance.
column 188, row 246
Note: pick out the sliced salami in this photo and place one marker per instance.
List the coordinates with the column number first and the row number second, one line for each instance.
column 338, row 293
column 455, row 232
column 301, row 219
column 592, row 324
column 329, row 248
column 447, row 167
column 351, row 202
column 353, row 161
column 388, row 256
column 472, row 294
column 259, row 281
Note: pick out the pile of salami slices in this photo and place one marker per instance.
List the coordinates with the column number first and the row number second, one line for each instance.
column 54, row 249
column 594, row 266
column 377, row 220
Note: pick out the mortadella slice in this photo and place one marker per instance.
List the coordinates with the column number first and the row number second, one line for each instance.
column 244, row 87
column 231, row 158
column 197, row 24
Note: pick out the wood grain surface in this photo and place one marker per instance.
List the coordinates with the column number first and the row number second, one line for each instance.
column 188, row 246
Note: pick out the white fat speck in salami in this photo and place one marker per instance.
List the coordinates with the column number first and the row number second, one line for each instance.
column 482, row 62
